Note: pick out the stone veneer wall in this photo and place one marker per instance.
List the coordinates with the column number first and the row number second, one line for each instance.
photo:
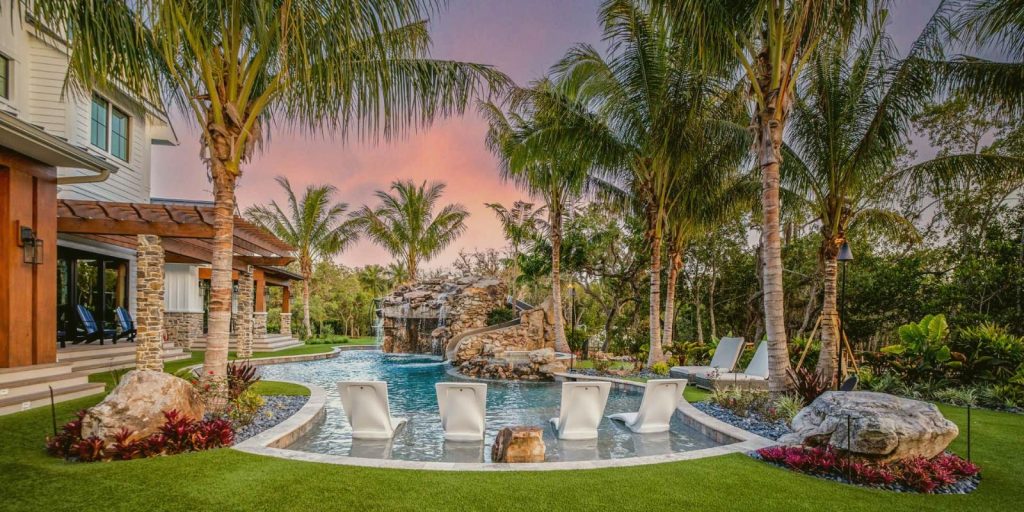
column 286, row 323
column 259, row 326
column 244, row 327
column 183, row 327
column 149, row 304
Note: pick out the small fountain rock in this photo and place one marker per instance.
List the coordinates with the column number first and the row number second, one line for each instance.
column 519, row 444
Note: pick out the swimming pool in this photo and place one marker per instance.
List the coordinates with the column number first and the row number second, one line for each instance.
column 411, row 382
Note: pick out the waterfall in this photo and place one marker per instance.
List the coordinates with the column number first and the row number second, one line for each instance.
column 378, row 331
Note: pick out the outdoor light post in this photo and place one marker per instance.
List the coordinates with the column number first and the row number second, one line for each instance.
column 845, row 256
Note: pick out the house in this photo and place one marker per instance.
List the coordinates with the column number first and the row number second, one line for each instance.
column 79, row 230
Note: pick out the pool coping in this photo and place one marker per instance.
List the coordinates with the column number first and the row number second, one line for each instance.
column 274, row 441
column 297, row 358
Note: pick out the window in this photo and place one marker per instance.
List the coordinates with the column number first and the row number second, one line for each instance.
column 109, row 128
column 98, row 124
column 119, row 125
column 5, row 77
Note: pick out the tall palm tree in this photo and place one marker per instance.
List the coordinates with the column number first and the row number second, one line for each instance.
column 232, row 67
column 405, row 224
column 519, row 223
column 314, row 226
column 649, row 117
column 537, row 164
column 770, row 43
column 850, row 121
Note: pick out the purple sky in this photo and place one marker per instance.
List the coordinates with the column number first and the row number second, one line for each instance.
column 522, row 38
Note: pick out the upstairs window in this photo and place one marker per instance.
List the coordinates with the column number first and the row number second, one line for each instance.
column 5, row 77
column 110, row 128
column 119, row 126
column 98, row 123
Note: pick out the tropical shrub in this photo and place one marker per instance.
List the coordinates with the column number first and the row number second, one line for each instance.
column 749, row 402
column 241, row 376
column 243, row 409
column 500, row 315
column 808, row 384
column 918, row 474
column 178, row 434
column 660, row 368
column 991, row 354
column 787, row 406
column 922, row 351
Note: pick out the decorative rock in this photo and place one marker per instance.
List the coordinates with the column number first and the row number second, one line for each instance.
column 542, row 356
column 883, row 427
column 518, row 444
column 138, row 404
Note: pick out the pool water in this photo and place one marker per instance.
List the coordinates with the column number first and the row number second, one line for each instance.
column 411, row 382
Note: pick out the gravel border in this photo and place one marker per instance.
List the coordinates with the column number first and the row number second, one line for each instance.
column 276, row 409
column 753, row 423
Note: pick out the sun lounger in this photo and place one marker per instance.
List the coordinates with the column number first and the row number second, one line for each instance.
column 754, row 377
column 463, row 406
column 581, row 410
column 367, row 409
column 661, row 397
column 726, row 355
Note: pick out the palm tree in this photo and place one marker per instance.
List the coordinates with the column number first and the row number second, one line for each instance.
column 233, row 67
column 519, row 223
column 405, row 225
column 650, row 116
column 313, row 226
column 770, row 43
column 537, row 164
column 850, row 121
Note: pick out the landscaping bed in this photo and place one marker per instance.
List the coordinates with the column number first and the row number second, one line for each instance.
column 275, row 410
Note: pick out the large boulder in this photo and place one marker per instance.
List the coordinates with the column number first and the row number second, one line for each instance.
column 882, row 427
column 138, row 403
column 519, row 444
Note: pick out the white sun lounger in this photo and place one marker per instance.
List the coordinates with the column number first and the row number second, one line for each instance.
column 367, row 409
column 661, row 397
column 581, row 410
column 463, row 406
column 726, row 355
column 755, row 376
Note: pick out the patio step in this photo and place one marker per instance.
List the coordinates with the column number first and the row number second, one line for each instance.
column 8, row 375
column 9, row 405
column 271, row 343
column 31, row 385
column 103, row 359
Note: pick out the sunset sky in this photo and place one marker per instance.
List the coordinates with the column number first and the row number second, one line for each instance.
column 522, row 38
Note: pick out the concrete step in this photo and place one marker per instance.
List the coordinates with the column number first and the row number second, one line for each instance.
column 28, row 386
column 42, row 398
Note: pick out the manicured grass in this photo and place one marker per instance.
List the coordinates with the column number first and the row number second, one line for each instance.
column 338, row 339
column 270, row 387
column 229, row 480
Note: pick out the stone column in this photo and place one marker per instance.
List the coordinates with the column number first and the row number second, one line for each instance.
column 149, row 304
column 183, row 327
column 259, row 307
column 286, row 311
column 245, row 317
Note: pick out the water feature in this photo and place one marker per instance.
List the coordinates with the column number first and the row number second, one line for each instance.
column 411, row 380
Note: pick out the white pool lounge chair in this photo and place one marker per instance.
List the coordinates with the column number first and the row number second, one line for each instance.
column 367, row 409
column 755, row 376
column 726, row 355
column 661, row 397
column 463, row 406
column 581, row 410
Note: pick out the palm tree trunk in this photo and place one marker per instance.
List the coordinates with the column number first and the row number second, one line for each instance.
column 700, row 322
column 215, row 359
column 769, row 158
column 305, row 307
column 655, row 355
column 711, row 302
column 555, row 219
column 829, row 320
column 675, row 259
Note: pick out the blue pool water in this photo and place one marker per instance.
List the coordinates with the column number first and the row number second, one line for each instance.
column 411, row 382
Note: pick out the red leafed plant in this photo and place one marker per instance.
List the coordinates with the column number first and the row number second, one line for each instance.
column 178, row 434
column 919, row 474
column 808, row 384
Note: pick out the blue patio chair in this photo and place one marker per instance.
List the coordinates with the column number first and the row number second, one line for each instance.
column 92, row 331
column 126, row 323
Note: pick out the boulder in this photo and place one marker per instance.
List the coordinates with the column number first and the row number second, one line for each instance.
column 518, row 444
column 138, row 404
column 882, row 427
column 542, row 356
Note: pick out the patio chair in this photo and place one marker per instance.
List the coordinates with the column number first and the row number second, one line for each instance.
column 581, row 410
column 755, row 376
column 91, row 331
column 726, row 355
column 367, row 409
column 126, row 323
column 661, row 397
column 463, row 406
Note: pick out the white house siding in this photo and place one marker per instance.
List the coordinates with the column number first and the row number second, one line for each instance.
column 181, row 289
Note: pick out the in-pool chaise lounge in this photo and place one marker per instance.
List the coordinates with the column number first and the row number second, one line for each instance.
column 581, row 410
column 367, row 409
column 726, row 355
column 463, row 406
column 754, row 377
column 661, row 397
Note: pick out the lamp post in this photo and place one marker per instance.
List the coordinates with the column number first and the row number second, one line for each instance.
column 845, row 256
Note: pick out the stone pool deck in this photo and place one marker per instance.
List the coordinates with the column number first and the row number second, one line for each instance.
column 274, row 442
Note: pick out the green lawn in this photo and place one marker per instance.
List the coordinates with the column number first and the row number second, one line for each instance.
column 229, row 480
column 338, row 339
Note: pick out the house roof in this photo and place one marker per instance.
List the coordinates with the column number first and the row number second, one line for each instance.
column 34, row 142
